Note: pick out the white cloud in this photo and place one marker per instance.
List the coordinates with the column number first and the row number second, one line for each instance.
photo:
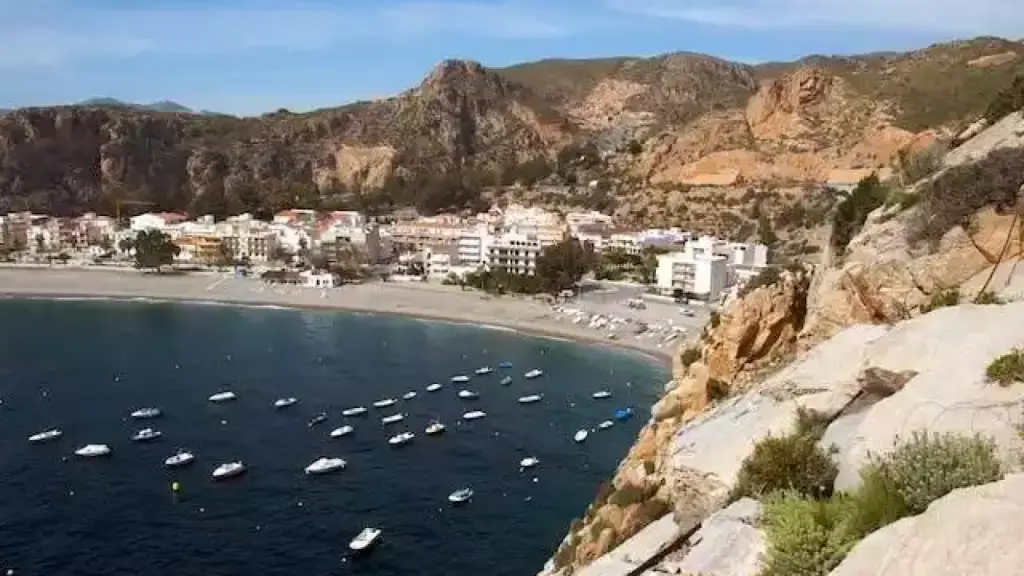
column 57, row 32
column 951, row 17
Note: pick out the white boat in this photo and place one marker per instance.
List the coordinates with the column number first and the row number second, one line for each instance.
column 364, row 540
column 229, row 470
column 483, row 371
column 343, row 431
column 535, row 373
column 325, row 465
column 606, row 425
column 403, row 438
column 181, row 458
column 506, row 380
column 529, row 462
column 146, row 434
column 601, row 394
column 93, row 450
column 318, row 419
column 435, row 427
column 409, row 395
column 461, row 495
column 146, row 413
column 392, row 419
column 357, row 411
column 468, row 394
column 385, row 403
column 530, row 399
column 459, row 379
column 222, row 397
column 284, row 402
column 433, row 388
column 580, row 436
column 46, row 436
column 474, row 415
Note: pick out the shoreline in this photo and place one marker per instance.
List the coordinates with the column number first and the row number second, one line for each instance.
column 61, row 284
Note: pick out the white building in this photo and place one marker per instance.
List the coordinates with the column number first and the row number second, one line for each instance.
column 514, row 253
column 318, row 280
column 473, row 249
column 702, row 274
column 155, row 221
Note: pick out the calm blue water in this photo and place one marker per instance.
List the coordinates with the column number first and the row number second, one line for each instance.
column 83, row 366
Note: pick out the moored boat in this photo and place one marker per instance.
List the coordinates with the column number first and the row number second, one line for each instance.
column 179, row 459
column 601, row 394
column 483, row 371
column 433, row 387
column 530, row 399
column 46, row 436
column 318, row 419
column 385, row 403
column 285, row 402
column 229, row 470
column 529, row 462
column 506, row 381
column 222, row 396
column 357, row 411
column 504, row 364
column 623, row 413
column 392, row 419
column 460, row 378
column 606, row 425
column 434, row 428
column 580, row 435
column 343, row 431
column 146, row 435
column 325, row 465
column 93, row 450
column 402, row 438
column 143, row 413
column 468, row 394
column 535, row 373
column 474, row 415
column 460, row 496
column 409, row 395
column 364, row 540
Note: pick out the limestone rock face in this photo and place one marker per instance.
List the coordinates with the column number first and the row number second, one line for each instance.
column 727, row 544
column 970, row 531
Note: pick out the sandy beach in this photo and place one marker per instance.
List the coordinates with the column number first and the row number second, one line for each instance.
column 428, row 301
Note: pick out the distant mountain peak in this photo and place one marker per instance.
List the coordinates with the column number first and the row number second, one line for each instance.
column 159, row 106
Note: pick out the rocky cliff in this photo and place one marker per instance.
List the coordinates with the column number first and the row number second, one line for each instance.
column 670, row 120
column 892, row 334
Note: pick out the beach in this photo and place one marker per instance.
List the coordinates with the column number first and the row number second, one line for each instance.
column 428, row 301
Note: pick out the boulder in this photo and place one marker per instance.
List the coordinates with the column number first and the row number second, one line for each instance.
column 727, row 544
column 970, row 531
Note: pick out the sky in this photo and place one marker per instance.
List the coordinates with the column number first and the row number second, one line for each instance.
column 249, row 57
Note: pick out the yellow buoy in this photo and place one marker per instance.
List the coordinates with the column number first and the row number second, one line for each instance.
column 175, row 487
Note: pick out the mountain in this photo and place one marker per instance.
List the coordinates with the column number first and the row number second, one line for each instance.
column 160, row 106
column 644, row 125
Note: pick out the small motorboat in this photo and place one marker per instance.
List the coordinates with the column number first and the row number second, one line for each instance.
column 409, row 395
column 93, row 450
column 535, row 373
column 318, row 419
column 364, row 540
column 460, row 496
column 385, row 403
column 601, row 394
column 483, row 371
column 143, row 413
column 400, row 439
column 435, row 428
column 357, row 411
column 504, row 365
column 530, row 399
column 580, row 435
column 623, row 413
column 284, row 402
column 343, row 431
column 180, row 458
column 529, row 462
column 392, row 419
column 222, row 397
column 146, row 435
column 474, row 415
column 46, row 436
column 460, row 378
column 229, row 470
column 324, row 466
column 468, row 394
column 605, row 425
column 433, row 387
column 506, row 381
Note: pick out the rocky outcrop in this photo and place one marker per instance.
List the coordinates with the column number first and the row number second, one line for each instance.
column 728, row 543
column 969, row 531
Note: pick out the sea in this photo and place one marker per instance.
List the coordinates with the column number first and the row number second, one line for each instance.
column 84, row 365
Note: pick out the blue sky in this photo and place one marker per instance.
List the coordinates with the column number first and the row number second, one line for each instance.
column 248, row 57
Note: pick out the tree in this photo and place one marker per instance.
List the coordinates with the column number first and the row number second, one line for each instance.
column 304, row 250
column 561, row 266
column 154, row 249
column 40, row 243
column 225, row 256
column 125, row 245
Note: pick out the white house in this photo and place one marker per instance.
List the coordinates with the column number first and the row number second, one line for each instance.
column 155, row 221
column 312, row 279
column 703, row 274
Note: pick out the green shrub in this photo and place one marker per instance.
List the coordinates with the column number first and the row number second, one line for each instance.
column 942, row 299
column 1008, row 100
column 604, row 491
column 627, row 496
column 651, row 510
column 927, row 467
column 988, row 297
column 876, row 503
column 792, row 463
column 717, row 390
column 804, row 537
column 689, row 356
column 851, row 213
column 565, row 554
column 1007, row 369
column 715, row 319
column 648, row 467
column 769, row 276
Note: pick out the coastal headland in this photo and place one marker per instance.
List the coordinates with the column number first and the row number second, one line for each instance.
column 426, row 301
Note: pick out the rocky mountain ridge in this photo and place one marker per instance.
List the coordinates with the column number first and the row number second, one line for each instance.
column 671, row 120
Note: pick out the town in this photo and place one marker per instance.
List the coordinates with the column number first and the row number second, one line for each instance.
column 334, row 247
